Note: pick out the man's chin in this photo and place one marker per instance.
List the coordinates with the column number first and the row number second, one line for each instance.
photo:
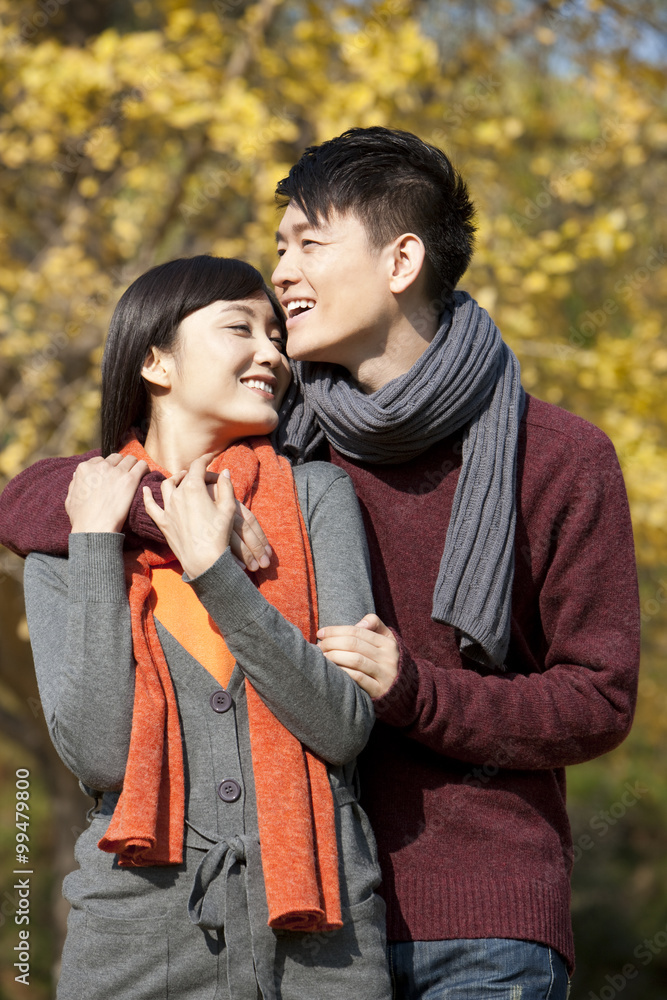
column 305, row 350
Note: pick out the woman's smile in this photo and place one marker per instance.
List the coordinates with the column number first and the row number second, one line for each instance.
column 265, row 385
column 224, row 380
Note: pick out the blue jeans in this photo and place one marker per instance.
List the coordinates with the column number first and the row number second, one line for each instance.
column 476, row 969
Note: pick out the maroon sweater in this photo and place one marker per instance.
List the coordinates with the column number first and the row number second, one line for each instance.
column 463, row 778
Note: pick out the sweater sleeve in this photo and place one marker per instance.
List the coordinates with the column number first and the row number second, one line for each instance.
column 316, row 700
column 577, row 700
column 32, row 508
column 79, row 622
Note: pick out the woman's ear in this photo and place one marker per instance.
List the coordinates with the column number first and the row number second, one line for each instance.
column 408, row 256
column 157, row 368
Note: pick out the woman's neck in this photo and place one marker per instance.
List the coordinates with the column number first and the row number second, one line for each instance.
column 175, row 449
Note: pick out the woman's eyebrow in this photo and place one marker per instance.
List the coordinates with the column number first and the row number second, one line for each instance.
column 232, row 307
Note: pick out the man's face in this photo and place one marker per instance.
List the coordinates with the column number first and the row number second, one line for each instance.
column 334, row 288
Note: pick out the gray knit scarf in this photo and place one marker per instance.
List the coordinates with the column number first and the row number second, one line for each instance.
column 466, row 379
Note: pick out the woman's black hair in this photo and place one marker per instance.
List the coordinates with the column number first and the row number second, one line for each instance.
column 148, row 315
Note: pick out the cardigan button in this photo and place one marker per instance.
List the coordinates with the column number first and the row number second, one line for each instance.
column 221, row 701
column 229, row 790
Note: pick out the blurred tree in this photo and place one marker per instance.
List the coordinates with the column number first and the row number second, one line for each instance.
column 134, row 132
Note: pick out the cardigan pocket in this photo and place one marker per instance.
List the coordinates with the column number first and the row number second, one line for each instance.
column 337, row 965
column 358, row 866
column 108, row 957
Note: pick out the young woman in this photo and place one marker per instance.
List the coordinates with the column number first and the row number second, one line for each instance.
column 227, row 855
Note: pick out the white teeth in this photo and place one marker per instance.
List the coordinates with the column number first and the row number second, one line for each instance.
column 256, row 383
column 299, row 304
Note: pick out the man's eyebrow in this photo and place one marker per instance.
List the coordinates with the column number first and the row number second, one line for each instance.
column 297, row 228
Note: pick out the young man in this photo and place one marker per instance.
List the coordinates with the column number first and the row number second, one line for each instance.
column 516, row 609
column 505, row 645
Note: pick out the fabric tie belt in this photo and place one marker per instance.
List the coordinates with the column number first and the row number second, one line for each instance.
column 228, row 893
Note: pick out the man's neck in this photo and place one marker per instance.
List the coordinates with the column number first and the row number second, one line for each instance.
column 398, row 351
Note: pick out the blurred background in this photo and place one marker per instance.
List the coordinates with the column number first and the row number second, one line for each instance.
column 134, row 132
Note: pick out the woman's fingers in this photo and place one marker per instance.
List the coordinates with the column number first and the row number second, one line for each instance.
column 196, row 474
column 211, row 480
column 224, row 485
column 254, row 529
column 124, row 463
column 134, row 471
column 249, row 543
column 168, row 486
column 129, row 463
column 153, row 509
column 245, row 554
column 194, row 478
column 101, row 492
column 196, row 525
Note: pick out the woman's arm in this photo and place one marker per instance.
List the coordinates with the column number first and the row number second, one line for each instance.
column 312, row 697
column 79, row 622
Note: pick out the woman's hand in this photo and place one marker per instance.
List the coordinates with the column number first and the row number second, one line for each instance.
column 248, row 542
column 197, row 526
column 101, row 492
column 367, row 651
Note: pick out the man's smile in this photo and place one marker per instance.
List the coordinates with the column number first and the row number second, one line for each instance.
column 294, row 307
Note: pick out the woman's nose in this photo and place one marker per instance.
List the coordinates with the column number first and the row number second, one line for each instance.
column 269, row 354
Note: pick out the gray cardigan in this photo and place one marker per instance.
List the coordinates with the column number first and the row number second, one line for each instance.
column 200, row 929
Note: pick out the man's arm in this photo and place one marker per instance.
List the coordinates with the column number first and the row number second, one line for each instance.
column 33, row 516
column 32, row 508
column 579, row 702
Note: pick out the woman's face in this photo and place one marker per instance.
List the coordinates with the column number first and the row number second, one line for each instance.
column 229, row 370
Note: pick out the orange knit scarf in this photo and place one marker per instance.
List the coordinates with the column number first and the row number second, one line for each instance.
column 294, row 802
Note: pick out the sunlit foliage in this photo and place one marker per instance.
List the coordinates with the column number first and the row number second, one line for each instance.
column 136, row 132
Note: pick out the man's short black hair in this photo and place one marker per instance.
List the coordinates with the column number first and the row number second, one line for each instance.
column 394, row 183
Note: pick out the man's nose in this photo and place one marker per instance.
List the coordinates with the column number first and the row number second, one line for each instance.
column 285, row 272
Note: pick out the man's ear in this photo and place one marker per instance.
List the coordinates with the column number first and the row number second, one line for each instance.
column 157, row 368
column 406, row 263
